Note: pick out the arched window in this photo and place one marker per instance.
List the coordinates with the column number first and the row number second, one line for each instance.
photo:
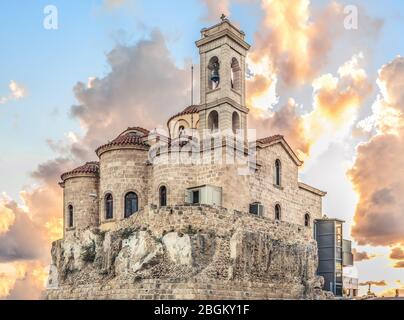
column 277, row 212
column 181, row 130
column 235, row 122
column 213, row 120
column 278, row 172
column 131, row 204
column 307, row 220
column 70, row 221
column 163, row 196
column 214, row 76
column 235, row 75
column 109, row 206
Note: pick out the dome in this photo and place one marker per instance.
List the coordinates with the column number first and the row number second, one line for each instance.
column 188, row 110
column 133, row 136
column 90, row 168
column 184, row 120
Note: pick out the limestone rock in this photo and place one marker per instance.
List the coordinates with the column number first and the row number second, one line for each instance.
column 210, row 253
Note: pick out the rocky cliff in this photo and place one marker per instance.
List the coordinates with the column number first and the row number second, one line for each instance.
column 189, row 252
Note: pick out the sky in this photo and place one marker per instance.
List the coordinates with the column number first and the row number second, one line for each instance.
column 335, row 93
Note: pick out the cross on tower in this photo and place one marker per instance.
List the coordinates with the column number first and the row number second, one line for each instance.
column 223, row 17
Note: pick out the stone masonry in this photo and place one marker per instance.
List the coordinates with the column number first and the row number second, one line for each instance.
column 187, row 252
column 186, row 214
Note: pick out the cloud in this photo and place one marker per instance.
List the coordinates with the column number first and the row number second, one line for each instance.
column 31, row 227
column 114, row 4
column 295, row 46
column 336, row 102
column 399, row 265
column 361, row 256
column 143, row 88
column 7, row 218
column 128, row 94
column 17, row 92
column 22, row 280
column 381, row 283
column 24, row 239
column 296, row 41
column 397, row 253
column 25, row 242
column 286, row 121
column 376, row 173
column 215, row 8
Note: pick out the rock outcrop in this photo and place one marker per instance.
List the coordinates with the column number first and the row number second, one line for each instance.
column 188, row 252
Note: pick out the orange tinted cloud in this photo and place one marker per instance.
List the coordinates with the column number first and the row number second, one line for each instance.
column 381, row 283
column 286, row 121
column 336, row 102
column 7, row 217
column 27, row 233
column 397, row 253
column 295, row 46
column 377, row 173
column 361, row 256
column 22, row 280
column 125, row 97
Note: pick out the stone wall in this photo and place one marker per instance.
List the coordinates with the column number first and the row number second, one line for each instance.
column 239, row 191
column 81, row 193
column 294, row 201
column 187, row 252
column 122, row 171
column 126, row 170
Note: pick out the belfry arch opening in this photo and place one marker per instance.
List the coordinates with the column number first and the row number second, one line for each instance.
column 213, row 121
column 235, row 75
column 235, row 119
column 214, row 73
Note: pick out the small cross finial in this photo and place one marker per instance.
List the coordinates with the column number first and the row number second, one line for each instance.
column 223, row 17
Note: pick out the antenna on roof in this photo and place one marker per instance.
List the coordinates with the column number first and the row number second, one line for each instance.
column 192, row 85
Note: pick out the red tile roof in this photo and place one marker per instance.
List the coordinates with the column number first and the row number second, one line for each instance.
column 139, row 129
column 188, row 110
column 270, row 139
column 280, row 138
column 126, row 138
column 88, row 168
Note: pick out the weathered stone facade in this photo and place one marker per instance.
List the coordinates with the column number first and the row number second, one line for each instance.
column 187, row 252
column 165, row 240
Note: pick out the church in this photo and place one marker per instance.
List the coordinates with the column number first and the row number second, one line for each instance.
column 205, row 210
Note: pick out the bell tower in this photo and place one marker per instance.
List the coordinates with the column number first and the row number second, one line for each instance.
column 223, row 51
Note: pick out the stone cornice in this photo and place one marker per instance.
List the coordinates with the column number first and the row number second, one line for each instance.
column 221, row 34
column 68, row 176
column 285, row 145
column 220, row 101
column 312, row 189
column 108, row 148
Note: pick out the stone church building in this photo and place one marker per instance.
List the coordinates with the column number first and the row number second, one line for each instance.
column 202, row 211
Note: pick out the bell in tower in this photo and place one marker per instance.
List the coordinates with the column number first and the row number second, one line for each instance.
column 223, row 52
column 214, row 73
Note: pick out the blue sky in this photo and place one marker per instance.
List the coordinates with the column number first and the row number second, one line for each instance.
column 48, row 64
